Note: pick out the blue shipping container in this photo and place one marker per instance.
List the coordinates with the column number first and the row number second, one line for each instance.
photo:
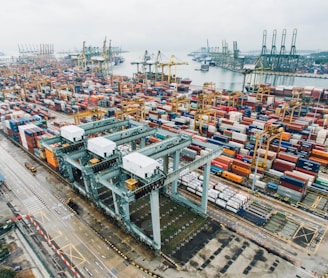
column 308, row 165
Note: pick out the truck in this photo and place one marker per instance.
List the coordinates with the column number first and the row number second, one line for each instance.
column 30, row 167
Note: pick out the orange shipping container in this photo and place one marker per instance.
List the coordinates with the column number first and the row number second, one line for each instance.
column 322, row 161
column 286, row 136
column 319, row 153
column 229, row 152
column 232, row 177
column 241, row 169
column 224, row 159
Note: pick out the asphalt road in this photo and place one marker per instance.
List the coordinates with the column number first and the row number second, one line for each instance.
column 34, row 195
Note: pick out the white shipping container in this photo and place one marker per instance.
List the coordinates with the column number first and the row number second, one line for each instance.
column 220, row 186
column 261, row 184
column 224, row 196
column 241, row 197
column 276, row 173
column 257, row 176
column 243, row 151
column 239, row 136
column 301, row 174
column 236, row 144
column 191, row 190
column 221, row 203
column 259, row 124
column 236, row 200
column 199, row 193
column 233, row 204
column 212, row 200
column 22, row 134
column 213, row 193
column 234, row 210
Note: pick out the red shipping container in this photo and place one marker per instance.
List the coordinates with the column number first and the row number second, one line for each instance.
column 220, row 165
column 282, row 165
column 288, row 157
column 291, row 186
column 239, row 156
column 275, row 148
column 224, row 159
column 307, row 172
column 241, row 164
column 295, row 176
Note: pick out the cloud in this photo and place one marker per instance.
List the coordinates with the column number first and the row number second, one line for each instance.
column 172, row 24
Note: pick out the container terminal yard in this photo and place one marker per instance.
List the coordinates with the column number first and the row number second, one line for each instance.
column 136, row 176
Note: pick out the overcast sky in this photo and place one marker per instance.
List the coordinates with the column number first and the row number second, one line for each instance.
column 170, row 25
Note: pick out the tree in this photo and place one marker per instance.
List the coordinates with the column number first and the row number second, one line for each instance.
column 6, row 272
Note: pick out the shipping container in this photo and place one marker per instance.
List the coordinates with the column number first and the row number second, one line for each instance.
column 252, row 217
column 272, row 185
column 232, row 177
column 308, row 165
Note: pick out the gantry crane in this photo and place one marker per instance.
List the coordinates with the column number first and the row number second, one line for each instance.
column 177, row 100
column 199, row 118
column 132, row 107
column 208, row 87
column 290, row 106
column 125, row 85
column 270, row 133
column 171, row 63
column 27, row 87
column 4, row 92
column 67, row 88
column 235, row 99
column 262, row 93
column 96, row 114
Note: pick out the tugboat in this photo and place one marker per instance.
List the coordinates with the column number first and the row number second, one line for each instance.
column 204, row 67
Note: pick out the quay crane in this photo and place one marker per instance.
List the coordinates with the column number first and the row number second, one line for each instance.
column 173, row 62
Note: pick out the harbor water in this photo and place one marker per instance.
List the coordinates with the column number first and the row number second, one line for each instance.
column 223, row 79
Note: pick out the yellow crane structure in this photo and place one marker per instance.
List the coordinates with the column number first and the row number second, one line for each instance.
column 178, row 100
column 134, row 108
column 208, row 87
column 263, row 93
column 46, row 82
column 96, row 114
column 4, row 92
column 173, row 62
column 235, row 99
column 65, row 90
column 27, row 87
column 270, row 133
column 290, row 106
column 125, row 85
column 203, row 115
